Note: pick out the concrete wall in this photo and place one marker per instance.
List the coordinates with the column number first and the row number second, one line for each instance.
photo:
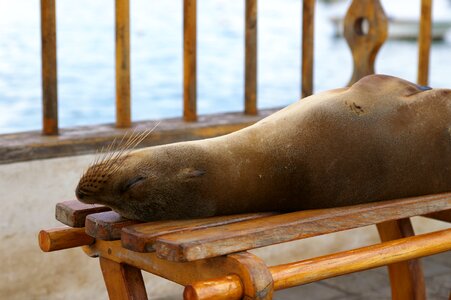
column 29, row 192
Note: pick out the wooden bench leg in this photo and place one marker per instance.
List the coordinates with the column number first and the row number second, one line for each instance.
column 406, row 278
column 122, row 281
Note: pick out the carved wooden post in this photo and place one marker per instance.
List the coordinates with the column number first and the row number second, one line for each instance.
column 365, row 30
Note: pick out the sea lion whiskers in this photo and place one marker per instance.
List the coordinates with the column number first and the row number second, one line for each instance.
column 108, row 161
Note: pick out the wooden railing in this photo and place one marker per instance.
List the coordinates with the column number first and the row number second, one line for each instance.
column 363, row 44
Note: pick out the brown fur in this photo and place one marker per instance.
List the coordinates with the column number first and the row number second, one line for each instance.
column 382, row 138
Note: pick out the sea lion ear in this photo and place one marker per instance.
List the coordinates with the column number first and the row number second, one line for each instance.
column 191, row 173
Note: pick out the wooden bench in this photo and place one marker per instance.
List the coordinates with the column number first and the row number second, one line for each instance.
column 209, row 256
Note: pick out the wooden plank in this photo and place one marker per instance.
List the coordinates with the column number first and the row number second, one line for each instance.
column 189, row 61
column 122, row 44
column 336, row 264
column 122, row 281
column 63, row 238
column 141, row 237
column 424, row 42
column 87, row 139
column 444, row 216
column 250, row 58
column 49, row 68
column 221, row 240
column 106, row 225
column 73, row 213
column 308, row 30
column 406, row 277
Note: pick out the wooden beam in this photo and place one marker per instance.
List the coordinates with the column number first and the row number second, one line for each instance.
column 250, row 58
column 122, row 43
column 49, row 68
column 424, row 42
column 88, row 139
column 189, row 61
column 63, row 238
column 308, row 26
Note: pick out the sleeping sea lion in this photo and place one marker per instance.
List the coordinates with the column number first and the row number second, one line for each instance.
column 382, row 138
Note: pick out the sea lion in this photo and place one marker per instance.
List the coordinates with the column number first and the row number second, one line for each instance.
column 382, row 138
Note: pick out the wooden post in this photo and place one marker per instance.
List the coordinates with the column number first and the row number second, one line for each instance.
column 122, row 281
column 189, row 61
column 123, row 111
column 406, row 278
column 49, row 68
column 250, row 58
column 308, row 20
column 424, row 42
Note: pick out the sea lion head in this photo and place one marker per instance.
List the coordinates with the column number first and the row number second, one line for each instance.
column 146, row 184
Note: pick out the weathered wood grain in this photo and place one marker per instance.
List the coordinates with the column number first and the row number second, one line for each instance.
column 123, row 282
column 88, row 139
column 63, row 238
column 106, row 225
column 141, row 237
column 341, row 263
column 221, row 240
column 122, row 46
column 49, row 68
column 73, row 213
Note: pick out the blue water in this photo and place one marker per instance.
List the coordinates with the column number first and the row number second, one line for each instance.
column 86, row 58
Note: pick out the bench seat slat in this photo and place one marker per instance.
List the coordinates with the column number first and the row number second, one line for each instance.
column 141, row 237
column 211, row 242
column 106, row 225
column 73, row 213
